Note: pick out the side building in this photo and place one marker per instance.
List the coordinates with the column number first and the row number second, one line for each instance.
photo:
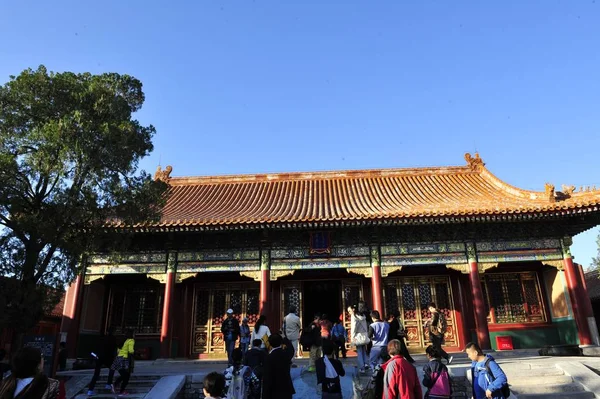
column 496, row 259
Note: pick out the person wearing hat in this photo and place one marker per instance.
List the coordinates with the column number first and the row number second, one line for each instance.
column 244, row 335
column 231, row 331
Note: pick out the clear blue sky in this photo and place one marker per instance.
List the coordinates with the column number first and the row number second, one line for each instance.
column 263, row 86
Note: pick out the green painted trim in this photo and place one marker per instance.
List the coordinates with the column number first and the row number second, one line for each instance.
column 559, row 333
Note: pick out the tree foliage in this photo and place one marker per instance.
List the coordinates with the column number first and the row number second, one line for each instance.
column 596, row 260
column 69, row 154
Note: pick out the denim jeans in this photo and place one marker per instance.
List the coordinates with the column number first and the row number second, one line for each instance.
column 375, row 356
column 361, row 356
column 244, row 347
column 229, row 347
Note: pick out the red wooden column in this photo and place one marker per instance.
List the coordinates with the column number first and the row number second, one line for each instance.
column 72, row 313
column 576, row 290
column 376, row 283
column 483, row 333
column 166, row 330
column 265, row 281
column 587, row 305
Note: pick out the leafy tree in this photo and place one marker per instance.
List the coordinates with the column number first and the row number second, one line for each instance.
column 596, row 260
column 69, row 153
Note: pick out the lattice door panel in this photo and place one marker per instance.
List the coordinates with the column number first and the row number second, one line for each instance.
column 410, row 296
column 210, row 306
column 291, row 295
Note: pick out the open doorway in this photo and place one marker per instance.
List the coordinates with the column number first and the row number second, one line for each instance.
column 322, row 297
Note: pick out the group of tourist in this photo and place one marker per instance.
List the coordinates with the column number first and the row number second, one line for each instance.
column 262, row 372
column 260, row 367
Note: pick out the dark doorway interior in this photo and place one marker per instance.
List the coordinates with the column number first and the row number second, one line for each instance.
column 322, row 297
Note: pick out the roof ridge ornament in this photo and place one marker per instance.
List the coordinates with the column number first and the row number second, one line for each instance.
column 163, row 175
column 475, row 163
column 550, row 192
column 566, row 193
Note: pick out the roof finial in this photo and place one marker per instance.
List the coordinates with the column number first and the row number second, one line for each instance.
column 550, row 192
column 475, row 163
column 163, row 175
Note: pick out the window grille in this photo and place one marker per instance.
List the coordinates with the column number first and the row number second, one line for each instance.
column 136, row 307
column 513, row 298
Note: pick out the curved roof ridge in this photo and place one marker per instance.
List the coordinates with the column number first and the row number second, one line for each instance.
column 510, row 189
column 319, row 175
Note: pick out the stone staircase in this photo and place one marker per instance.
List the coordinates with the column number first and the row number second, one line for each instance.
column 138, row 387
column 542, row 380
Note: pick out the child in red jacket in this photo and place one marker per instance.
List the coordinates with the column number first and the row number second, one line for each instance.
column 400, row 380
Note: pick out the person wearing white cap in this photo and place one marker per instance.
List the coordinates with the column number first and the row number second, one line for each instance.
column 231, row 331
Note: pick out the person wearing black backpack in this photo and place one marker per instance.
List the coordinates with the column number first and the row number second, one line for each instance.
column 437, row 326
column 488, row 379
column 329, row 371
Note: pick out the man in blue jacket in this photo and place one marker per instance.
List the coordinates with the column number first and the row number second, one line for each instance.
column 488, row 378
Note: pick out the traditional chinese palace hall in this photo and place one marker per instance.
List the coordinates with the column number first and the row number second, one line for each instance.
column 493, row 257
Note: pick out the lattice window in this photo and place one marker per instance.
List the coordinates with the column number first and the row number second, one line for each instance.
column 219, row 306
column 235, row 302
column 202, row 298
column 409, row 303
column 138, row 308
column 442, row 298
column 252, row 305
column 291, row 297
column 513, row 298
column 391, row 299
column 425, row 299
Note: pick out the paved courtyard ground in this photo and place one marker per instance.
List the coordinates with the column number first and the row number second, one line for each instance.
column 305, row 383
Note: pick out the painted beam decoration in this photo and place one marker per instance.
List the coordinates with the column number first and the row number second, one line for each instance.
column 518, row 251
column 356, row 259
column 329, row 263
column 397, row 255
column 152, row 264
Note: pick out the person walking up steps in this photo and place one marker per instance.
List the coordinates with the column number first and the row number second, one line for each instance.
column 435, row 376
column 339, row 336
column 262, row 332
column 489, row 381
column 106, row 352
column 123, row 363
column 400, row 380
column 244, row 383
column 329, row 371
column 316, row 342
column 397, row 332
column 378, row 333
column 256, row 358
column 437, row 326
column 359, row 337
column 325, row 327
column 244, row 335
column 291, row 328
column 231, row 331
column 277, row 380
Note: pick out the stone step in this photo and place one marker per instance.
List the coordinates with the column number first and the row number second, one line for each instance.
column 137, row 383
column 129, row 389
column 551, row 379
column 110, row 396
column 536, row 388
column 570, row 395
column 533, row 373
